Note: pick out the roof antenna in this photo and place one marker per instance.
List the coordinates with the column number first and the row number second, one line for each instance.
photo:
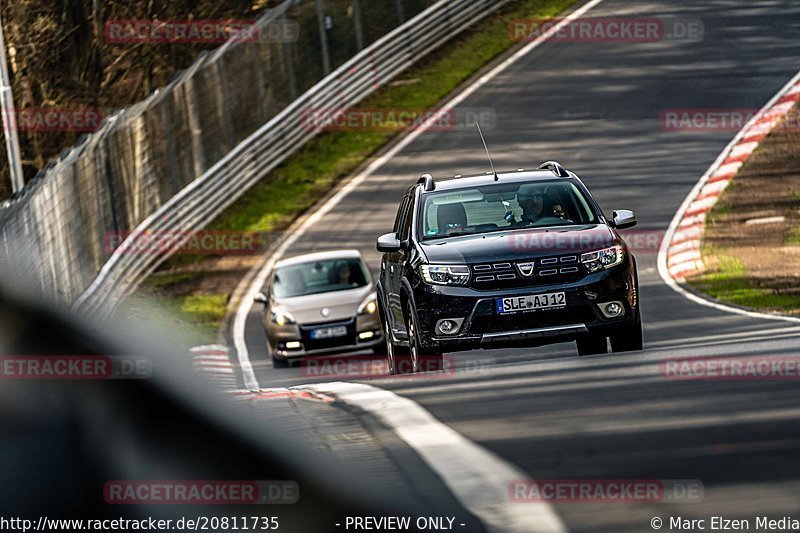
column 496, row 177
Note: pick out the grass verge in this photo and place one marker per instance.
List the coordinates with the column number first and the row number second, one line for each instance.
column 727, row 280
column 293, row 187
column 793, row 237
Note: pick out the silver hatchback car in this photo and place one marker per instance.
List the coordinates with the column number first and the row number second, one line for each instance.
column 320, row 304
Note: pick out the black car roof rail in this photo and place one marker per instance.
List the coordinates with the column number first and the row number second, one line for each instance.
column 555, row 167
column 427, row 180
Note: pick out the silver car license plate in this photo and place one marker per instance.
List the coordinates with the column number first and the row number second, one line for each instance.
column 329, row 333
column 535, row 302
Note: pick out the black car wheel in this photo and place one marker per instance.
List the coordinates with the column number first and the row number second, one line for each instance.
column 628, row 339
column 592, row 345
column 380, row 349
column 422, row 360
column 399, row 357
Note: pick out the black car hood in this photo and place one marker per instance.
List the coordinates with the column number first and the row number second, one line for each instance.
column 514, row 245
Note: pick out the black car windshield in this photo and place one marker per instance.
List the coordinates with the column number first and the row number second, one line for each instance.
column 319, row 276
column 504, row 206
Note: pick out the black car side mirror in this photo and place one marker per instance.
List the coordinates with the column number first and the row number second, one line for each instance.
column 389, row 243
column 624, row 219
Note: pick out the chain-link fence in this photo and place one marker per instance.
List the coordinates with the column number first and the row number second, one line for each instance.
column 116, row 178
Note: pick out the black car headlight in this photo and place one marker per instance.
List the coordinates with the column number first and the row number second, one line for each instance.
column 605, row 258
column 445, row 274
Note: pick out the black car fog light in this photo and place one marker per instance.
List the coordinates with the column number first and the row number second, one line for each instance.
column 612, row 309
column 449, row 326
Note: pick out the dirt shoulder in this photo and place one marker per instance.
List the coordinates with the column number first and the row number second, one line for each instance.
column 751, row 246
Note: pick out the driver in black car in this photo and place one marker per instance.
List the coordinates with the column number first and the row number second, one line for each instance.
column 532, row 203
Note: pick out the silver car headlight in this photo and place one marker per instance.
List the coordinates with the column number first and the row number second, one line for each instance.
column 605, row 258
column 445, row 274
column 281, row 317
column 370, row 304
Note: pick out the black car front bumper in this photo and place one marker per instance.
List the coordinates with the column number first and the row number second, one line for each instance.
column 482, row 326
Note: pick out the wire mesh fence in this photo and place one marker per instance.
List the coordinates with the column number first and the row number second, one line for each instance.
column 142, row 156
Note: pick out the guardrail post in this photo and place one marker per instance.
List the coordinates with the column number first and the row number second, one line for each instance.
column 10, row 128
column 323, row 39
column 230, row 136
column 401, row 13
column 258, row 70
column 169, row 134
column 198, row 156
column 357, row 25
column 287, row 54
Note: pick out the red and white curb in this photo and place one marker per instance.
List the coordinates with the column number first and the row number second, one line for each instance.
column 297, row 393
column 214, row 364
column 681, row 248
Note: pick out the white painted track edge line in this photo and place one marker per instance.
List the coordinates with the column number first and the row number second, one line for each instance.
column 238, row 329
column 478, row 478
column 663, row 268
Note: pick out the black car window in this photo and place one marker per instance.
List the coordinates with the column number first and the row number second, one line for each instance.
column 400, row 212
column 405, row 224
column 500, row 207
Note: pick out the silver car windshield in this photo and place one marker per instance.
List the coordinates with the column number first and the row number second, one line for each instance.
column 501, row 207
column 319, row 276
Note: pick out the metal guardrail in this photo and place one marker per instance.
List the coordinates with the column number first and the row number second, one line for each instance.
column 201, row 201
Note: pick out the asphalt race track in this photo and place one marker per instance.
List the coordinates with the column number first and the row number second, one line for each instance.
column 596, row 108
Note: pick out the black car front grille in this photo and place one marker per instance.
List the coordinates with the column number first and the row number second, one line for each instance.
column 508, row 275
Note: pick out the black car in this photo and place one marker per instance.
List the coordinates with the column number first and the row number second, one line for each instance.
column 513, row 259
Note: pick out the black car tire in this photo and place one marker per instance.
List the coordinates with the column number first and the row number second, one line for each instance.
column 398, row 357
column 423, row 360
column 431, row 363
column 380, row 349
column 628, row 339
column 592, row 345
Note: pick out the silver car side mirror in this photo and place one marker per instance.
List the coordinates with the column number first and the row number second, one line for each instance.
column 261, row 298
